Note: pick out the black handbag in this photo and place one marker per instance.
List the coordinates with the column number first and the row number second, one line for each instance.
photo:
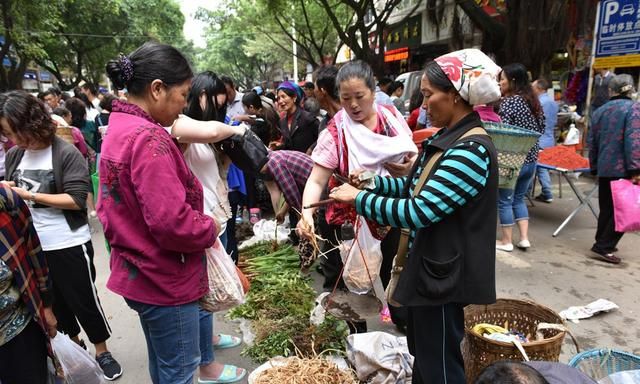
column 246, row 151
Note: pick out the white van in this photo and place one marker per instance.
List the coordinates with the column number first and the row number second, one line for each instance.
column 411, row 81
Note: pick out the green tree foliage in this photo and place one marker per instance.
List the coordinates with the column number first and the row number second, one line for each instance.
column 96, row 31
column 237, row 47
column 19, row 48
column 305, row 22
column 74, row 39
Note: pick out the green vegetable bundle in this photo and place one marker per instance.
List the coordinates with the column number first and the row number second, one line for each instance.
column 278, row 305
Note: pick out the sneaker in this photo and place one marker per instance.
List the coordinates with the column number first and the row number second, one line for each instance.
column 110, row 367
column 543, row 199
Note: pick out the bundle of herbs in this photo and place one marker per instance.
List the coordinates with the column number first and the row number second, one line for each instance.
column 267, row 257
column 278, row 306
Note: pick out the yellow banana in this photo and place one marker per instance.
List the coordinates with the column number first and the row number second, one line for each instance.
column 483, row 328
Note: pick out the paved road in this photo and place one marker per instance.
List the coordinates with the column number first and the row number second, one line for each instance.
column 556, row 272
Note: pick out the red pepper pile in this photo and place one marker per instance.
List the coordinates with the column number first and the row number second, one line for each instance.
column 562, row 156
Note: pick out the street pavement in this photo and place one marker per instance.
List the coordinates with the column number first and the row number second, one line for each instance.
column 556, row 272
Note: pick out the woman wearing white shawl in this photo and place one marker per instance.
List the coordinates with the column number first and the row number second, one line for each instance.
column 362, row 135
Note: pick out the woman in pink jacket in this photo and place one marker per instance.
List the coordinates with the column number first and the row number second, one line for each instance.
column 151, row 207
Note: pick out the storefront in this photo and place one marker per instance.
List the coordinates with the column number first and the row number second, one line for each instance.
column 402, row 40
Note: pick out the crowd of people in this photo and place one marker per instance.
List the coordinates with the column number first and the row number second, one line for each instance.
column 342, row 144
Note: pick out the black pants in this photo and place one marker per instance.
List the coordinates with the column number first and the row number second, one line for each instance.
column 236, row 199
column 332, row 264
column 434, row 334
column 606, row 236
column 75, row 297
column 23, row 360
column 250, row 184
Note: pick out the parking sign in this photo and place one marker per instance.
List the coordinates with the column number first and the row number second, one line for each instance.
column 618, row 34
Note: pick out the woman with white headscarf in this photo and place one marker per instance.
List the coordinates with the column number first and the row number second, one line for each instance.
column 448, row 206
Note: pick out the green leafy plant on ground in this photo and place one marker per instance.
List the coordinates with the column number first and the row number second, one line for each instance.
column 278, row 306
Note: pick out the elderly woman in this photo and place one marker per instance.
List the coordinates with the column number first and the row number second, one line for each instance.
column 614, row 153
column 448, row 203
column 361, row 135
column 299, row 128
column 151, row 207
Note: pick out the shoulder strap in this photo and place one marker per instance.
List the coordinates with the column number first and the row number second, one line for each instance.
column 403, row 244
column 436, row 156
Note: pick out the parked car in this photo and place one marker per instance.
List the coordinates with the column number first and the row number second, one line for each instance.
column 411, row 81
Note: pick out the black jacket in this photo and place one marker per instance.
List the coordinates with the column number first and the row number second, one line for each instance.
column 453, row 261
column 70, row 173
column 303, row 132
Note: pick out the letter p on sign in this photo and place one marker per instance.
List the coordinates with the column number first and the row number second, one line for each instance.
column 609, row 10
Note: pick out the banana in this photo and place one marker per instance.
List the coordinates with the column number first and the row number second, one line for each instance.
column 484, row 328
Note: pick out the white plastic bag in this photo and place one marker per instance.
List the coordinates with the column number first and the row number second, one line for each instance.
column 78, row 366
column 318, row 313
column 380, row 358
column 573, row 136
column 225, row 288
column 267, row 230
column 362, row 258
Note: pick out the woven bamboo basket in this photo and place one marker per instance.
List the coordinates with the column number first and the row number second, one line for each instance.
column 523, row 316
column 513, row 144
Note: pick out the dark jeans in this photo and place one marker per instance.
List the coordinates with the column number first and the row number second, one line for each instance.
column 173, row 340
column 434, row 334
column 24, row 359
column 606, row 236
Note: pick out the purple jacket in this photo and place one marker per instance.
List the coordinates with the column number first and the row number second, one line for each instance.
column 150, row 205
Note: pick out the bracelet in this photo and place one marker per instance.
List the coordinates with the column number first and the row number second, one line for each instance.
column 33, row 196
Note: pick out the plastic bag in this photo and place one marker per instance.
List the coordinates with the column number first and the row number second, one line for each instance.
column 318, row 313
column 225, row 287
column 78, row 366
column 362, row 259
column 626, row 205
column 380, row 358
column 573, row 136
column 267, row 230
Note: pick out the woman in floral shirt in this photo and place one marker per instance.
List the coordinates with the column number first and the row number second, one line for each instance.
column 519, row 107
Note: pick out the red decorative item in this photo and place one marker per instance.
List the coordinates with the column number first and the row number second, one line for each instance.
column 451, row 66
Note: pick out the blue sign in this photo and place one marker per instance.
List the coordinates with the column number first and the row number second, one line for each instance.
column 618, row 28
column 45, row 76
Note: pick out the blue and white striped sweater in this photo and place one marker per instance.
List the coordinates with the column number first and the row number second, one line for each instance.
column 460, row 176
